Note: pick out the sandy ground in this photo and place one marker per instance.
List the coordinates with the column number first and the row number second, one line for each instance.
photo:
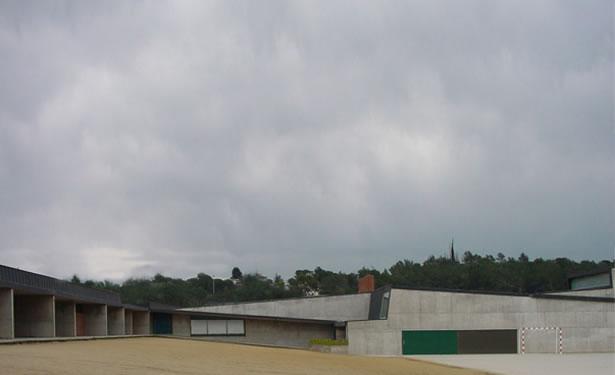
column 532, row 364
column 172, row 356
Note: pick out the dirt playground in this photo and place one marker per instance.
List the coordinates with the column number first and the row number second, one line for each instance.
column 173, row 356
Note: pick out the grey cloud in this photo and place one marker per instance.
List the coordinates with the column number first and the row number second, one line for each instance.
column 181, row 137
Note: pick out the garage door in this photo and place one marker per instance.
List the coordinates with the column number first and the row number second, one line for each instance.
column 459, row 342
column 501, row 341
column 429, row 342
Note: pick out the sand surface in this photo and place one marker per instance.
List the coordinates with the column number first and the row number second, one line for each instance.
column 173, row 356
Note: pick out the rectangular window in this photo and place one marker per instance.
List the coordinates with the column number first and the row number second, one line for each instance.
column 384, row 306
column 235, row 327
column 590, row 282
column 199, row 327
column 217, row 327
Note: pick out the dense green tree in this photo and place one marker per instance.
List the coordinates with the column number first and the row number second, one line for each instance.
column 474, row 272
column 236, row 273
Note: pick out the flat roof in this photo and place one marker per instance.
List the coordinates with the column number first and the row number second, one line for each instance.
column 34, row 283
column 205, row 314
column 284, row 299
column 509, row 294
column 598, row 271
column 129, row 306
column 447, row 290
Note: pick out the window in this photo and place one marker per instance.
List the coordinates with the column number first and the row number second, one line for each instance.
column 235, row 327
column 217, row 327
column 384, row 305
column 602, row 280
column 198, row 327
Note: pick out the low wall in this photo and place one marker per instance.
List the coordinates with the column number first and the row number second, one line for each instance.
column 34, row 316
column 7, row 328
column 335, row 349
column 66, row 322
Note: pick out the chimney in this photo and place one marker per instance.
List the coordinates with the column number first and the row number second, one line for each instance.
column 367, row 284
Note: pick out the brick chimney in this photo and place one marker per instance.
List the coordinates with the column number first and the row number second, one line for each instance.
column 367, row 284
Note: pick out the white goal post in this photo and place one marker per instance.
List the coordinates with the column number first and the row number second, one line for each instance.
column 559, row 342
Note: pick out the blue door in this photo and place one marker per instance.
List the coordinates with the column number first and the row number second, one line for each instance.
column 162, row 324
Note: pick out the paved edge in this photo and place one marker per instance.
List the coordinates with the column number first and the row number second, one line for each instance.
column 487, row 372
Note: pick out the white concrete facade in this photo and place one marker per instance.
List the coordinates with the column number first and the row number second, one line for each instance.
column 587, row 326
column 342, row 308
column 276, row 333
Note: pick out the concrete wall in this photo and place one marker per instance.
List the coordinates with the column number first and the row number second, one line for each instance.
column 34, row 316
column 267, row 332
column 66, row 322
column 586, row 326
column 115, row 320
column 95, row 317
column 141, row 323
column 7, row 328
column 348, row 307
column 181, row 325
column 128, row 322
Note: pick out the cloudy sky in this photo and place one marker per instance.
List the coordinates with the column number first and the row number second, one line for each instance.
column 182, row 137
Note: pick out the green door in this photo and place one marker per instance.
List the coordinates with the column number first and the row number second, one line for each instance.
column 162, row 324
column 429, row 342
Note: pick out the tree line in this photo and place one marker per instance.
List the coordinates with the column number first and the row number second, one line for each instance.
column 471, row 272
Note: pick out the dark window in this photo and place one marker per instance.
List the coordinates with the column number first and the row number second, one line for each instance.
column 384, row 306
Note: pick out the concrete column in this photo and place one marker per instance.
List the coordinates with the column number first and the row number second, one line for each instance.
column 181, row 325
column 95, row 320
column 140, row 323
column 128, row 322
column 7, row 326
column 34, row 316
column 115, row 320
column 66, row 319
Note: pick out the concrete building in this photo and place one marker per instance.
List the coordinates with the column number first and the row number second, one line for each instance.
column 34, row 306
column 397, row 320
column 38, row 306
column 387, row 321
column 450, row 322
column 242, row 328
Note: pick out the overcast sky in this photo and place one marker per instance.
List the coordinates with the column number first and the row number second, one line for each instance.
column 182, row 137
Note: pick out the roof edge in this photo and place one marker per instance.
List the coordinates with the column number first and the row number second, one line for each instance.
column 248, row 317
